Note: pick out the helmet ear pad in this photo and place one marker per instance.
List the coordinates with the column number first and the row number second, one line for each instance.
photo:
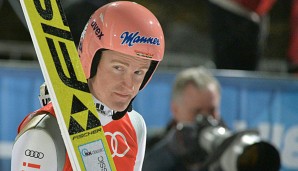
column 149, row 73
column 95, row 62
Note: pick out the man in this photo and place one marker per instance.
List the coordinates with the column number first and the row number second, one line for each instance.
column 120, row 48
column 195, row 93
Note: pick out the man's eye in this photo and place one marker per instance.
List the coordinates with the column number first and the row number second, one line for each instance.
column 140, row 72
column 119, row 68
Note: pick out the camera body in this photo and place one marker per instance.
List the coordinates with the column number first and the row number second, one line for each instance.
column 209, row 144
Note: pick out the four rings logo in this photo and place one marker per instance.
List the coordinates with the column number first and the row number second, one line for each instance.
column 34, row 154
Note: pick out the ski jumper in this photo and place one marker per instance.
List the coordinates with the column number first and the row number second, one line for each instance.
column 39, row 144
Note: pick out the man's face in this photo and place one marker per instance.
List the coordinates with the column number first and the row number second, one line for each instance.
column 118, row 79
column 194, row 101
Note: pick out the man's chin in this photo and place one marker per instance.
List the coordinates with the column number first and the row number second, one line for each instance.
column 119, row 106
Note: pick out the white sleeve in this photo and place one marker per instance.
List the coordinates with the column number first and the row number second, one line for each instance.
column 34, row 150
column 141, row 131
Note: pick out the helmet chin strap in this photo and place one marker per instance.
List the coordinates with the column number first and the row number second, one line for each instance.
column 119, row 115
column 149, row 73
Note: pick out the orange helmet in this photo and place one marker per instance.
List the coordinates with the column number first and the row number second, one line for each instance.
column 125, row 27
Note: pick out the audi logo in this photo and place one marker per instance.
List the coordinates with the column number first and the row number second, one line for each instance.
column 34, row 154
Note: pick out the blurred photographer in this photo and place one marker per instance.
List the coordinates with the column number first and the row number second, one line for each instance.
column 195, row 91
column 197, row 139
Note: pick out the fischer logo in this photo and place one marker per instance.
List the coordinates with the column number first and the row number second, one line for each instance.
column 132, row 38
column 86, row 134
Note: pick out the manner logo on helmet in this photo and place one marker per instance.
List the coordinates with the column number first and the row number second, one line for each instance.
column 131, row 38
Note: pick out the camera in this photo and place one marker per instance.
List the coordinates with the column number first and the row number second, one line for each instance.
column 211, row 146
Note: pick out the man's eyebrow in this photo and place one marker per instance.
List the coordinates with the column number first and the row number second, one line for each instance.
column 121, row 62
column 127, row 63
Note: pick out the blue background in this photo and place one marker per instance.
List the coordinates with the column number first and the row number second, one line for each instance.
column 249, row 100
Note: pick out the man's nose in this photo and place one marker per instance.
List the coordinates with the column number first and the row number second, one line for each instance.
column 128, row 82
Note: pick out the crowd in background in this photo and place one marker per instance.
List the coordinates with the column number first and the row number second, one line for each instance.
column 187, row 25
